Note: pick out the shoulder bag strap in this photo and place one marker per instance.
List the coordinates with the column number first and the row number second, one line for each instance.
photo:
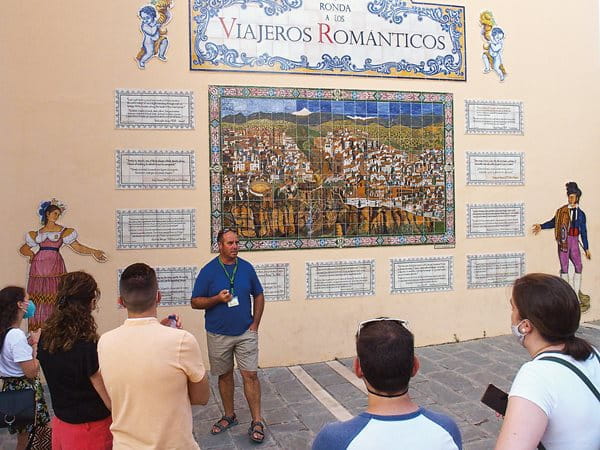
column 3, row 337
column 578, row 372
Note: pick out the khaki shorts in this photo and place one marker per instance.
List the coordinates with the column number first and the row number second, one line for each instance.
column 221, row 349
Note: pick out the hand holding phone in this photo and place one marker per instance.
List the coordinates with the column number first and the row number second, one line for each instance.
column 224, row 296
column 172, row 321
column 496, row 399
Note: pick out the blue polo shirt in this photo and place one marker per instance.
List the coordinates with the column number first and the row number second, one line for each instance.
column 212, row 279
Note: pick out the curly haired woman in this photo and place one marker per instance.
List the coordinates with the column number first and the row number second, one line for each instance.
column 68, row 356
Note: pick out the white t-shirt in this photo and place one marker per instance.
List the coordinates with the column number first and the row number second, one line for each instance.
column 573, row 410
column 15, row 350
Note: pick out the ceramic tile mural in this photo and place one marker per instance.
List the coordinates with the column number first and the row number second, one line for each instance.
column 320, row 168
column 385, row 38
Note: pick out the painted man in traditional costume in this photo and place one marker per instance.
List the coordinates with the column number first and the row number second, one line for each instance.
column 569, row 226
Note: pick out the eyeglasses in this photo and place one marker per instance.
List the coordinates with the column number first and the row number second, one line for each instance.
column 362, row 324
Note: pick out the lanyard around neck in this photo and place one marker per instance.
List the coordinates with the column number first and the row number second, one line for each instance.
column 231, row 277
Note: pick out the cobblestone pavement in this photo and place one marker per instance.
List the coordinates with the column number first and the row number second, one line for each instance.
column 451, row 380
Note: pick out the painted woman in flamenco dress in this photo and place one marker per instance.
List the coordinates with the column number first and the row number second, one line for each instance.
column 47, row 264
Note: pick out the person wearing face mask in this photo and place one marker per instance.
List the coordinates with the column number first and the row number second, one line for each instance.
column 555, row 398
column 19, row 367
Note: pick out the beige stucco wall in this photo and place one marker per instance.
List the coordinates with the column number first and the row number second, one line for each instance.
column 58, row 72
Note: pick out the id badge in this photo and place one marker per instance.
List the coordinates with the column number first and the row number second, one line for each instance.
column 233, row 302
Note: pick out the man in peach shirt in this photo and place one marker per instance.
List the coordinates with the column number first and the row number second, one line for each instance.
column 153, row 373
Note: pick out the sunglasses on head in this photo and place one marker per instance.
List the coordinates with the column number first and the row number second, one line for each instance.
column 364, row 323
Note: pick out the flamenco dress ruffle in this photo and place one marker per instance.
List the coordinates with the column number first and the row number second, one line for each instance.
column 47, row 267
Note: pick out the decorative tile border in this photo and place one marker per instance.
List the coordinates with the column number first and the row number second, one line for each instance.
column 141, row 109
column 493, row 117
column 275, row 280
column 446, row 234
column 157, row 169
column 494, row 270
column 495, row 220
column 499, row 168
column 383, row 38
column 426, row 274
column 156, row 228
column 333, row 279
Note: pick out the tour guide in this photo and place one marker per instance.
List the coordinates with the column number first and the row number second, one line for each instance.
column 223, row 289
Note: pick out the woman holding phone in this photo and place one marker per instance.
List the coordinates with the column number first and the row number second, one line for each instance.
column 553, row 399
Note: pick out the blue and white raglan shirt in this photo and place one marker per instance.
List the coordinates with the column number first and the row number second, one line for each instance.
column 420, row 430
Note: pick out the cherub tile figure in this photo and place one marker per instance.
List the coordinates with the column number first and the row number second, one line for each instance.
column 494, row 44
column 154, row 18
column 570, row 231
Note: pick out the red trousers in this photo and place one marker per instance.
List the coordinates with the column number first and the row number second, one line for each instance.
column 81, row 436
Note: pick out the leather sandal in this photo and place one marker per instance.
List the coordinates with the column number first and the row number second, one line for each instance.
column 231, row 421
column 256, row 435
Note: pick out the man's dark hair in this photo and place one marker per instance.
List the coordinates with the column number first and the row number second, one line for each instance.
column 138, row 287
column 572, row 188
column 222, row 232
column 386, row 352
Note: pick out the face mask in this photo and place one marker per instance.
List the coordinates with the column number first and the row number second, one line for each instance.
column 517, row 333
column 30, row 310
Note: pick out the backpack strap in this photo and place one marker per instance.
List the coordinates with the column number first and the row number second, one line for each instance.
column 578, row 372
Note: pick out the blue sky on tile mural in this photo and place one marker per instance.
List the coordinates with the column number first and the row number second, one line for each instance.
column 356, row 108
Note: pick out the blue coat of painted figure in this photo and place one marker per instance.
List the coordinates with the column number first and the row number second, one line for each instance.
column 420, row 430
column 578, row 221
column 570, row 231
column 212, row 279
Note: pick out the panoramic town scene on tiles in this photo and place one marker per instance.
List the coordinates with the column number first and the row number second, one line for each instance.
column 310, row 168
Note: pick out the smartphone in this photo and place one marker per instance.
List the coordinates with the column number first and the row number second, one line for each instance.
column 496, row 399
